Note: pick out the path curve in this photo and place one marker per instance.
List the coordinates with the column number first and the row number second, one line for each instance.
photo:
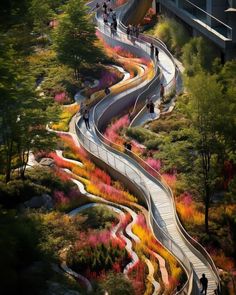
column 160, row 204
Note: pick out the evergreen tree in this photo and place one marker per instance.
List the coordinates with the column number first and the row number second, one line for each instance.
column 22, row 121
column 75, row 37
column 41, row 13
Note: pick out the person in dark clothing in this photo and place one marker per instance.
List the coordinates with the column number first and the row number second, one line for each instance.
column 86, row 118
column 115, row 25
column 151, row 109
column 128, row 145
column 157, row 53
column 105, row 19
column 204, row 283
column 107, row 91
column 104, row 7
column 112, row 29
column 152, row 50
column 128, row 31
column 114, row 16
column 162, row 92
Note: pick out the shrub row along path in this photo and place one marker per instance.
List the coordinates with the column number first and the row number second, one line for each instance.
column 128, row 230
column 128, row 238
column 164, row 213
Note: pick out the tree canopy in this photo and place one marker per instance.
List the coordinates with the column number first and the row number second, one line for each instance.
column 75, row 37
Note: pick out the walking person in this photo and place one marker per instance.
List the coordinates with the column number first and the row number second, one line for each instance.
column 157, row 53
column 152, row 50
column 105, row 19
column 151, row 109
column 104, row 7
column 107, row 91
column 204, row 284
column 112, row 29
column 114, row 16
column 128, row 145
column 128, row 31
column 86, row 118
column 162, row 92
column 115, row 25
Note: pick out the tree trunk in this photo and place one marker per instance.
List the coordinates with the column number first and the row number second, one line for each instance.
column 8, row 163
column 206, row 158
column 207, row 206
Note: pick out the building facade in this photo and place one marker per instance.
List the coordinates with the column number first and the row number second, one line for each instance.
column 213, row 19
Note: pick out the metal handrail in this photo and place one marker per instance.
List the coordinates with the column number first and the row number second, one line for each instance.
column 160, row 178
column 209, row 259
column 172, row 84
column 208, row 14
column 169, row 243
column 165, row 238
column 207, row 26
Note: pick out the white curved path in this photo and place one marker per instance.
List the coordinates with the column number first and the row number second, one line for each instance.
column 164, row 212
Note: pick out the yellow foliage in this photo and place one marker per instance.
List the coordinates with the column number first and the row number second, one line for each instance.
column 147, row 239
column 149, row 288
column 230, row 210
column 130, row 197
column 80, row 171
column 65, row 117
column 190, row 214
column 93, row 189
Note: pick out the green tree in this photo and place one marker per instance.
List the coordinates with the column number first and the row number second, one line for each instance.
column 41, row 13
column 205, row 111
column 227, row 124
column 8, row 102
column 22, row 121
column 197, row 55
column 75, row 37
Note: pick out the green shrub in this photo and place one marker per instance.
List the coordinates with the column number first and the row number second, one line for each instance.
column 18, row 191
column 163, row 31
column 172, row 33
column 99, row 217
column 141, row 134
column 46, row 177
column 198, row 54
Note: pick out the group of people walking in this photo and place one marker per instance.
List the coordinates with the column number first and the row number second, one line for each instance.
column 84, row 110
column 109, row 14
column 133, row 31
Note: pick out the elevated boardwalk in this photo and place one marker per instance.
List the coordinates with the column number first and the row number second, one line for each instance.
column 162, row 212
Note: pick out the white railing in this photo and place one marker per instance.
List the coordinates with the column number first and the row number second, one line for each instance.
column 206, row 19
column 121, row 166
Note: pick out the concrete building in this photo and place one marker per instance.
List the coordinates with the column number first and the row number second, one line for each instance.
column 213, row 19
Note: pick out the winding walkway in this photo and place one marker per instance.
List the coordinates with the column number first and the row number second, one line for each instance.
column 161, row 204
